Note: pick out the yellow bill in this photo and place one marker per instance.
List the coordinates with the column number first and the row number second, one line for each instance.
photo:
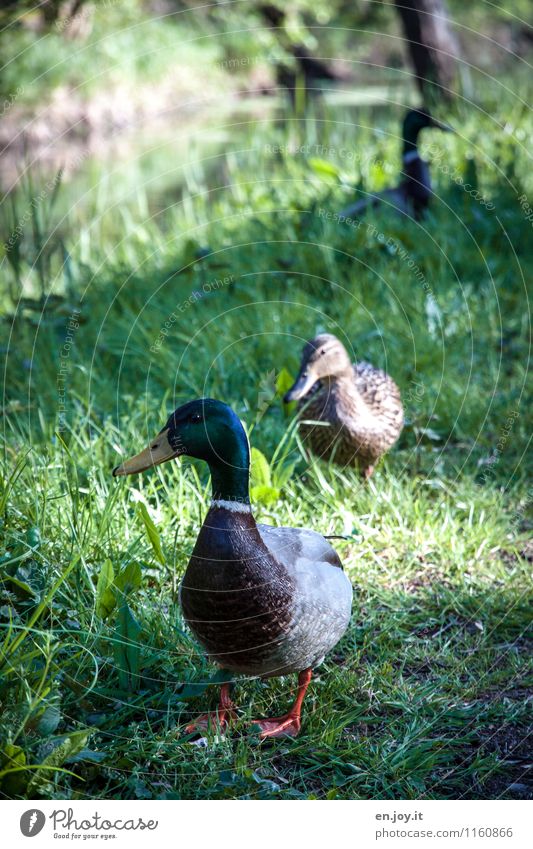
column 156, row 453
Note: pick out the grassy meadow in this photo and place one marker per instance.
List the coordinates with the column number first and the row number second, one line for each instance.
column 120, row 304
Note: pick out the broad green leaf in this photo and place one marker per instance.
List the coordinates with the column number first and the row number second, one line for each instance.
column 13, row 757
column 260, row 469
column 266, row 495
column 87, row 755
column 377, row 175
column 33, row 535
column 62, row 748
column 153, row 533
column 105, row 598
column 22, row 585
column 128, row 580
column 284, row 381
column 192, row 691
column 126, row 648
column 325, row 169
column 49, row 720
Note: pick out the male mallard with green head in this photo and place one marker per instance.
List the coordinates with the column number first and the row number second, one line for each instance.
column 262, row 601
column 350, row 413
column 414, row 193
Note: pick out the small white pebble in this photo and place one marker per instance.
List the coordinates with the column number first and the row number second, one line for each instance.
column 201, row 742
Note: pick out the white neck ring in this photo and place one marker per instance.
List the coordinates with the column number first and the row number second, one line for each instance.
column 410, row 156
column 232, row 506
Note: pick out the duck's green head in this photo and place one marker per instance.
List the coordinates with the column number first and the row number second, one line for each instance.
column 208, row 430
column 417, row 120
column 323, row 357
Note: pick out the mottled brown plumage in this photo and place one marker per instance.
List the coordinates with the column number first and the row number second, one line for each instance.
column 349, row 414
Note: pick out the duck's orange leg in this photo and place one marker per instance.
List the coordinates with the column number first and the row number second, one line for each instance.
column 290, row 723
column 221, row 717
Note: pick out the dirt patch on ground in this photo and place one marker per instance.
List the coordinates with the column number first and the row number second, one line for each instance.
column 513, row 745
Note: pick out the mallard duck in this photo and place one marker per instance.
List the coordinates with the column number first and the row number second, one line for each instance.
column 353, row 413
column 262, row 601
column 413, row 195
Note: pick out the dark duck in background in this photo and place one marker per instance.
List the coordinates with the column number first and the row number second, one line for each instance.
column 262, row 601
column 413, row 195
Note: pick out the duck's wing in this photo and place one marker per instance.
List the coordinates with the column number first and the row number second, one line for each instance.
column 377, row 388
column 316, row 569
column 395, row 198
column 290, row 545
column 321, row 593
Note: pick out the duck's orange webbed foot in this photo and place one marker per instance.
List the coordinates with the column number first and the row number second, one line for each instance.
column 219, row 718
column 282, row 726
column 290, row 724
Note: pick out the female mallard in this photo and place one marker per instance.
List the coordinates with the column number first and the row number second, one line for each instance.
column 261, row 600
column 354, row 413
column 413, row 195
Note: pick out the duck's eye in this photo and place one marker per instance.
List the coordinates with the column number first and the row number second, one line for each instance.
column 322, row 352
column 194, row 419
column 154, row 446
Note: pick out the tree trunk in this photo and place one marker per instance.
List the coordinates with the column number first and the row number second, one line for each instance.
column 432, row 45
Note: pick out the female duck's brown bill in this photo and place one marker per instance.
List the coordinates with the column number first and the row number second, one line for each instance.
column 303, row 383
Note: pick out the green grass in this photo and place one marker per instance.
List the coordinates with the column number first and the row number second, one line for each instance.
column 427, row 694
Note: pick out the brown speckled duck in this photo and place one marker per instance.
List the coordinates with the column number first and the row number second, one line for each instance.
column 350, row 414
column 261, row 600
